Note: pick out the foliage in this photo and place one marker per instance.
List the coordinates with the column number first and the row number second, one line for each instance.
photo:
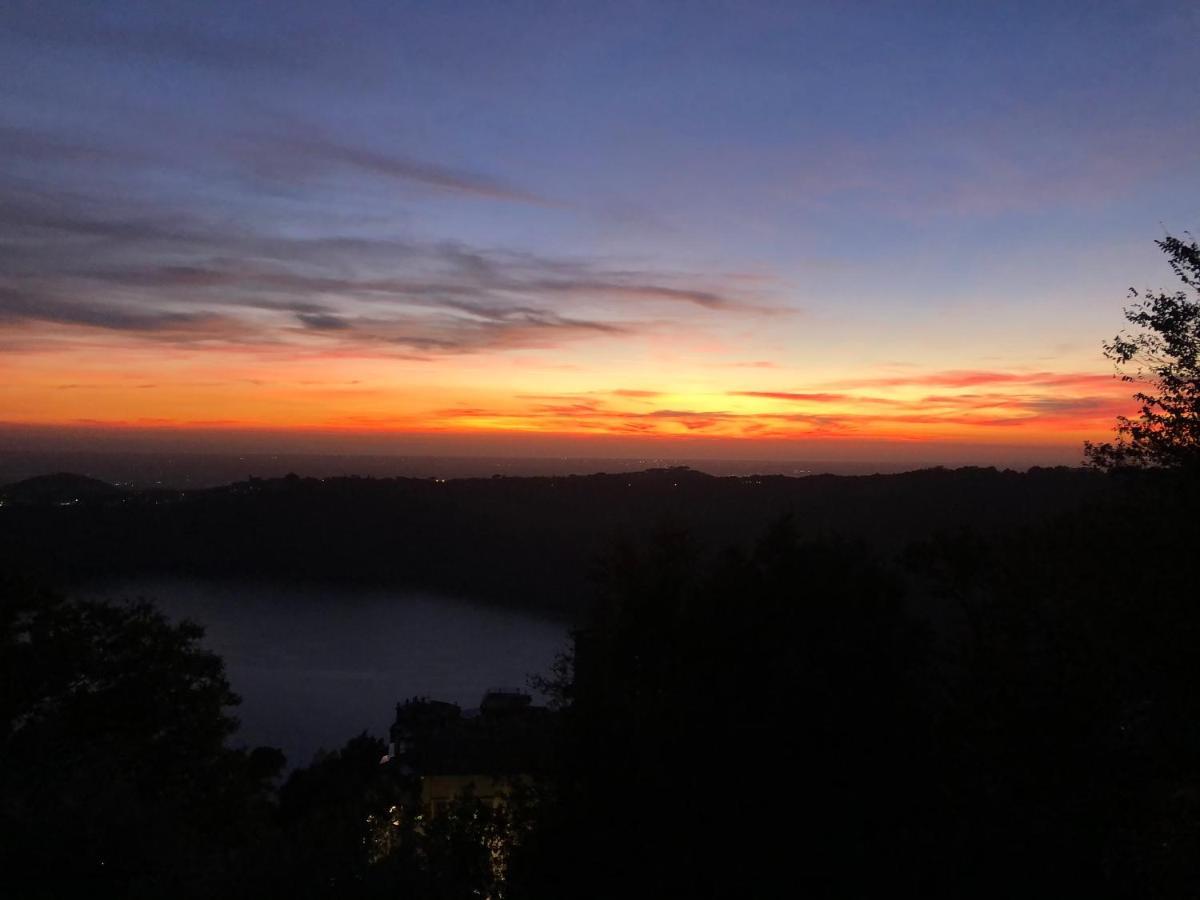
column 1075, row 687
column 113, row 767
column 991, row 714
column 1164, row 355
column 709, row 699
column 326, row 811
column 1003, row 715
column 466, row 850
column 350, row 827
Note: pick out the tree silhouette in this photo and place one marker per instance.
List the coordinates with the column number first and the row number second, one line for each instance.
column 1164, row 355
column 114, row 774
column 733, row 719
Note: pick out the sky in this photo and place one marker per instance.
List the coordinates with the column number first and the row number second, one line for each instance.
column 753, row 230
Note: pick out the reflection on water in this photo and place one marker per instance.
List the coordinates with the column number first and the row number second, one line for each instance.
column 315, row 665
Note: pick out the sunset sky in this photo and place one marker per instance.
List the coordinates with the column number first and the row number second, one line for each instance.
column 600, row 228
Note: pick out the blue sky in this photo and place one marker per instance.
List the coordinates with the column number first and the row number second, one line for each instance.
column 455, row 188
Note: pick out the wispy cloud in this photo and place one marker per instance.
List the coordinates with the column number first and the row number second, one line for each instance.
column 1031, row 404
column 137, row 268
column 963, row 378
column 793, row 395
column 18, row 306
column 323, row 321
column 286, row 154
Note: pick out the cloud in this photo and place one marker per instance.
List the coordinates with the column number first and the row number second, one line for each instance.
column 961, row 378
column 282, row 153
column 20, row 305
column 614, row 287
column 788, row 395
column 136, row 267
column 28, row 144
column 593, row 416
column 43, row 222
column 322, row 321
column 542, row 330
column 1049, row 404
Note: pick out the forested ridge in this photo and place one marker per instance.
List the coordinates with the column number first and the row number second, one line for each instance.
column 519, row 541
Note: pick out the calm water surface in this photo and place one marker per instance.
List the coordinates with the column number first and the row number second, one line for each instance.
column 316, row 666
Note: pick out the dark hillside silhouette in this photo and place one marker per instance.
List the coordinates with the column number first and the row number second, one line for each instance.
column 519, row 541
column 59, row 489
column 989, row 713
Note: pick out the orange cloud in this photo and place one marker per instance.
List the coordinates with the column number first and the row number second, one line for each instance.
column 321, row 384
column 789, row 395
column 974, row 378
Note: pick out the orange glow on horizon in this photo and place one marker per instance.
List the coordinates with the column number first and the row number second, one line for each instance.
column 91, row 383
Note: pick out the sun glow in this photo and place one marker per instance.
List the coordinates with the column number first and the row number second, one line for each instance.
column 95, row 382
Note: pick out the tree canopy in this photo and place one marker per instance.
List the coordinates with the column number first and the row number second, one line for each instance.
column 114, row 774
column 1163, row 355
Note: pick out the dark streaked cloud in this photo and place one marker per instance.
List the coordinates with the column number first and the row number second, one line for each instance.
column 322, row 321
column 133, row 266
column 285, row 154
column 18, row 305
column 966, row 378
column 790, row 395
column 27, row 144
column 634, row 290
column 447, row 334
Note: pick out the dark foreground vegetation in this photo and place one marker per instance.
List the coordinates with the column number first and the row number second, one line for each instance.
column 1000, row 714
column 978, row 707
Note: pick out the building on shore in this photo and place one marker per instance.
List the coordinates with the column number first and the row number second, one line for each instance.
column 481, row 753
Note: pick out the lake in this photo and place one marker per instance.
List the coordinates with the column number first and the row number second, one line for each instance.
column 317, row 665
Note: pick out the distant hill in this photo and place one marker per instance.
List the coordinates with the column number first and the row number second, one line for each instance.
column 528, row 542
column 58, row 489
